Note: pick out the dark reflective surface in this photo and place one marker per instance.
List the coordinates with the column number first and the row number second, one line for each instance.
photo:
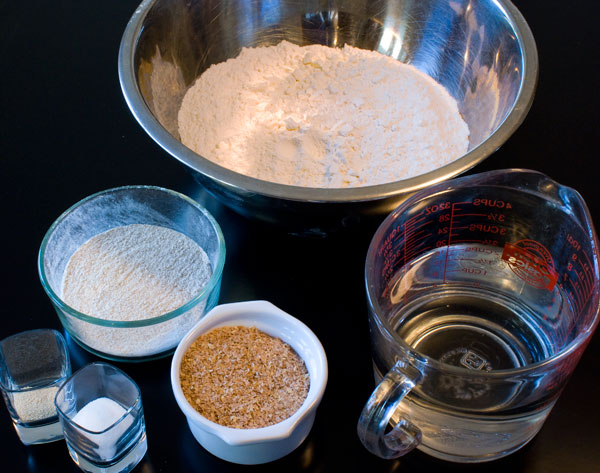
column 67, row 132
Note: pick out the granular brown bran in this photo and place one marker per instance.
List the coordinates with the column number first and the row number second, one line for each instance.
column 243, row 378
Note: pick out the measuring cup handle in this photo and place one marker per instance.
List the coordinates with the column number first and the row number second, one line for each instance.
column 376, row 416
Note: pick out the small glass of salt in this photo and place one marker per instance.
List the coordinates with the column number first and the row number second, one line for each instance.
column 33, row 365
column 100, row 409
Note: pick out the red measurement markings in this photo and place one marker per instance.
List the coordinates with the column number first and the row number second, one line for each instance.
column 489, row 223
column 579, row 274
column 414, row 234
column 580, row 277
column 585, row 273
column 460, row 229
column 495, row 217
column 457, row 229
column 454, row 214
column 403, row 243
column 452, row 254
column 576, row 297
column 487, row 226
column 483, row 241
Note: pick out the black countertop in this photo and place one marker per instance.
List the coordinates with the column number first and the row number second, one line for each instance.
column 66, row 132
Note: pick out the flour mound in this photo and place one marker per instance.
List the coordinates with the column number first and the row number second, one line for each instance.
column 317, row 116
column 135, row 272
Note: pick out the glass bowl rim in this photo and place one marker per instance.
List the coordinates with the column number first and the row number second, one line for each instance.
column 203, row 294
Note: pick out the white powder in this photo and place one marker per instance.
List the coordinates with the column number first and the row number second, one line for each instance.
column 321, row 117
column 130, row 273
column 97, row 416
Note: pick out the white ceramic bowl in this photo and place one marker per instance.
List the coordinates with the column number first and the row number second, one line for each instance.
column 262, row 445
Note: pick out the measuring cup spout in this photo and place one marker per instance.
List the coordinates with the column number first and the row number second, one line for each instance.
column 533, row 182
column 377, row 429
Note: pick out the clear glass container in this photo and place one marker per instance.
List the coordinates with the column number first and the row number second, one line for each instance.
column 33, row 365
column 101, row 413
column 147, row 338
column 483, row 293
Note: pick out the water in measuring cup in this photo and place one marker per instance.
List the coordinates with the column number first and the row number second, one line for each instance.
column 464, row 306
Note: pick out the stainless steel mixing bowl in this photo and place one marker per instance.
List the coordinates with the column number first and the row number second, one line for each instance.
column 482, row 51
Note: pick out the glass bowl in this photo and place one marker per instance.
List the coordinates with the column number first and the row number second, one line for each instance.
column 130, row 340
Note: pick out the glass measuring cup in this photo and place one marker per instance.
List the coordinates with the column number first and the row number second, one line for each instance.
column 483, row 292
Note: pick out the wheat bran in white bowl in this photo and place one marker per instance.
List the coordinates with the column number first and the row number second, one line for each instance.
column 241, row 377
column 261, row 444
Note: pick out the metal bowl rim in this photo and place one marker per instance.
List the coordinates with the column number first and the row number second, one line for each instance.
column 250, row 185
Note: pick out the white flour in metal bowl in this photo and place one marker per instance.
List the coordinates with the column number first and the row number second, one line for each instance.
column 317, row 116
column 130, row 273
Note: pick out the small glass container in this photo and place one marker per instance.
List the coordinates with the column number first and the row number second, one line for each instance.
column 33, row 365
column 100, row 409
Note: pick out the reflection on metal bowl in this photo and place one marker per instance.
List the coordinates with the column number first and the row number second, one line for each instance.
column 482, row 52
